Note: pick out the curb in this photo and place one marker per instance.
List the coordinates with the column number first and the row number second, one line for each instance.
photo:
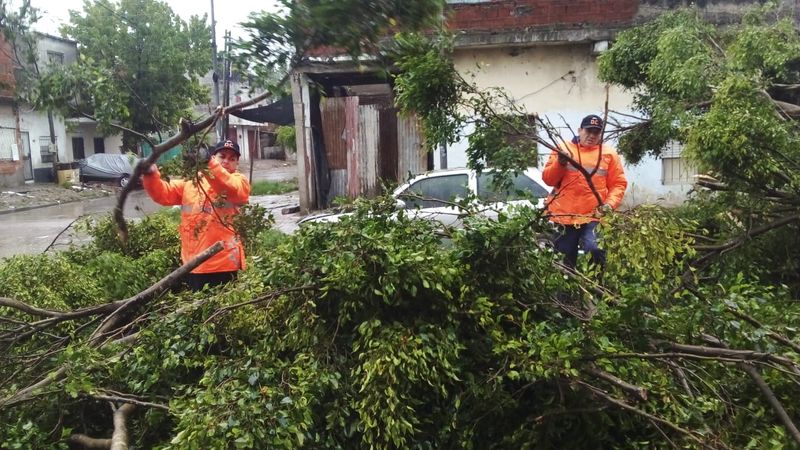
column 28, row 208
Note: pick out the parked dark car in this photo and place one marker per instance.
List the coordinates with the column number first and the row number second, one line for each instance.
column 108, row 167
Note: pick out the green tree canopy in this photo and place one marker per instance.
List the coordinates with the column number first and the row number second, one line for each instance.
column 139, row 66
column 278, row 41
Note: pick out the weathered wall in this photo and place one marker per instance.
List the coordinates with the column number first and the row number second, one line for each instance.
column 507, row 14
column 520, row 22
column 558, row 82
column 7, row 81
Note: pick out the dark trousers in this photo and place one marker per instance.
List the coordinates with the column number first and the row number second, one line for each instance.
column 197, row 281
column 584, row 236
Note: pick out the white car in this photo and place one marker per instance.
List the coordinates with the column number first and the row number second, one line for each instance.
column 434, row 195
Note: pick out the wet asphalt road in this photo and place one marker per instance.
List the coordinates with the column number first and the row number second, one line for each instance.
column 32, row 231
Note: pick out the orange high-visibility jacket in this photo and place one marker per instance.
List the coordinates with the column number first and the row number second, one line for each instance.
column 572, row 201
column 207, row 212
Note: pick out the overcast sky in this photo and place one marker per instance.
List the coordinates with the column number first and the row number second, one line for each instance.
column 228, row 13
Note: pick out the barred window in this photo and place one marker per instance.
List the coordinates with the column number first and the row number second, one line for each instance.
column 45, row 150
column 676, row 169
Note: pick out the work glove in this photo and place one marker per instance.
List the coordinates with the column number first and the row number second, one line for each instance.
column 562, row 159
column 604, row 210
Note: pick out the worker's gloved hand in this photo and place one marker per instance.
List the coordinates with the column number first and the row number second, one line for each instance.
column 562, row 159
column 603, row 210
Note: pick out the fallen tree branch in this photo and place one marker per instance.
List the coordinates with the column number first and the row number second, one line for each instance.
column 637, row 392
column 741, row 355
column 775, row 336
column 125, row 399
column 714, row 250
column 119, row 439
column 617, row 402
column 111, row 321
column 49, row 246
column 89, row 443
column 766, row 391
column 187, row 129
column 260, row 299
column 159, row 287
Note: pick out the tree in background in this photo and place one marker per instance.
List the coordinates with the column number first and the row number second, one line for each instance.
column 139, row 67
column 278, row 41
column 731, row 96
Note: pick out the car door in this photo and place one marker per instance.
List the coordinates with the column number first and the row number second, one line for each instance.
column 433, row 197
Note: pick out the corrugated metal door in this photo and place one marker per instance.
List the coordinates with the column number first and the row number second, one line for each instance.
column 411, row 157
column 334, row 135
column 363, row 131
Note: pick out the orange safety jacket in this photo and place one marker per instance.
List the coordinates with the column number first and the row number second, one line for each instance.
column 208, row 207
column 572, row 202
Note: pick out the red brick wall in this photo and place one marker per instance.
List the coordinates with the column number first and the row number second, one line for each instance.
column 7, row 81
column 8, row 167
column 500, row 15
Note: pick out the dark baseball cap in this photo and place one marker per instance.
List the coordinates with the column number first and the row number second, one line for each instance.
column 592, row 121
column 227, row 144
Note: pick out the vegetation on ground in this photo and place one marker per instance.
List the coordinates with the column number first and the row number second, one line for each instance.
column 267, row 187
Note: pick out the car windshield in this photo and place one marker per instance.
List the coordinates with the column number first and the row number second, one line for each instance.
column 436, row 191
column 521, row 187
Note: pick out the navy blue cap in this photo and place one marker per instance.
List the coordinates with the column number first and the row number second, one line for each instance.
column 226, row 144
column 592, row 121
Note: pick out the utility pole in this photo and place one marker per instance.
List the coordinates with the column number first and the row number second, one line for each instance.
column 226, row 77
column 215, row 72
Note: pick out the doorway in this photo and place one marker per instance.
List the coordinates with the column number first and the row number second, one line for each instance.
column 77, row 149
column 27, row 163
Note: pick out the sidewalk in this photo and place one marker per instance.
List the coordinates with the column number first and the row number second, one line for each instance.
column 38, row 195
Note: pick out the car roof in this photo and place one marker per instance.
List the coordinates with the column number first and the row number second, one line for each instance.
column 532, row 172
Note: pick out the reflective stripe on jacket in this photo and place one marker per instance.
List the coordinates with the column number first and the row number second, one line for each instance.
column 572, row 201
column 207, row 212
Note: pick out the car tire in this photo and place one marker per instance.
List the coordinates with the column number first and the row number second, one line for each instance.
column 124, row 180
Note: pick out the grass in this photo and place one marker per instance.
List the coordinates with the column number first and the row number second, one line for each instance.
column 273, row 187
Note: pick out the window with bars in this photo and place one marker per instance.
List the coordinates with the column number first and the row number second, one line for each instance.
column 55, row 58
column 675, row 168
column 7, row 141
column 45, row 150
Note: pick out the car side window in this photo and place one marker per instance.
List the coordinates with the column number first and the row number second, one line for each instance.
column 522, row 186
column 435, row 191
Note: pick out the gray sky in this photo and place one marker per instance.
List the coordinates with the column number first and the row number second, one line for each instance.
column 228, row 13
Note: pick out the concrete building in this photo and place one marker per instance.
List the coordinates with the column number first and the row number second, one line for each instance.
column 544, row 55
column 31, row 141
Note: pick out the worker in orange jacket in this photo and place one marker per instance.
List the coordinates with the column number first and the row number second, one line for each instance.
column 208, row 205
column 572, row 204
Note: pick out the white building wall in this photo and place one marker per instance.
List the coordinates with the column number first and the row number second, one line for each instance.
column 558, row 82
column 37, row 126
column 87, row 130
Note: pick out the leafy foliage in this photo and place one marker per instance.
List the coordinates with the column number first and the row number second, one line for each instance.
column 278, row 41
column 139, row 67
column 267, row 187
column 372, row 333
column 285, row 137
